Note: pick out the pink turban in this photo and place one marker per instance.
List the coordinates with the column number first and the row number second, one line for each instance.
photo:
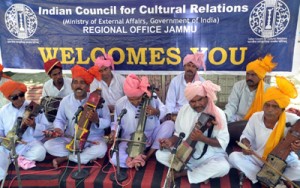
column 135, row 87
column 205, row 89
column 197, row 59
column 105, row 60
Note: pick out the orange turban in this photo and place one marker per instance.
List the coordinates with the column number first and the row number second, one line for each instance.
column 7, row 88
column 94, row 70
column 105, row 60
column 135, row 87
column 205, row 89
column 48, row 66
column 197, row 59
column 1, row 70
column 86, row 75
column 281, row 94
column 261, row 66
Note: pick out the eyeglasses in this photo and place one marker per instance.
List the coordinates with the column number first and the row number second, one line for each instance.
column 15, row 97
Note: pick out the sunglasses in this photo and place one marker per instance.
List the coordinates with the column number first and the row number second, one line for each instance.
column 15, row 97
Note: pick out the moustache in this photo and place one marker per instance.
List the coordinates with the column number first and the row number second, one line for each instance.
column 251, row 81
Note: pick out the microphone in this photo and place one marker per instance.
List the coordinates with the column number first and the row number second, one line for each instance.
column 123, row 112
column 80, row 109
column 181, row 136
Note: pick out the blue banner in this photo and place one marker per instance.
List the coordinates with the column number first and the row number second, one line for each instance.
column 148, row 35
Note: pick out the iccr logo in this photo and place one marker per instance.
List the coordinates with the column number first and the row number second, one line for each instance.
column 20, row 21
column 269, row 18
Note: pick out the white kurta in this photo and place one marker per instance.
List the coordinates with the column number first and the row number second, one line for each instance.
column 33, row 149
column 65, row 120
column 153, row 129
column 113, row 92
column 257, row 133
column 214, row 162
column 175, row 96
column 3, row 100
column 50, row 90
column 240, row 100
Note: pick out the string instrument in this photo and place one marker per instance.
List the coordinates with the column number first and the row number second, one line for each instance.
column 137, row 143
column 277, row 158
column 83, row 125
column 187, row 148
column 31, row 111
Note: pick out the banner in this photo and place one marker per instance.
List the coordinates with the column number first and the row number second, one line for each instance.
column 148, row 35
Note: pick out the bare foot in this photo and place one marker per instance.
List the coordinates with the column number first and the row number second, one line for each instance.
column 57, row 161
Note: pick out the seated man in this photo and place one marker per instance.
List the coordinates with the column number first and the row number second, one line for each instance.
column 57, row 86
column 212, row 163
column 64, row 122
column 264, row 131
column 33, row 150
column 246, row 95
column 134, row 102
column 175, row 96
column 111, row 83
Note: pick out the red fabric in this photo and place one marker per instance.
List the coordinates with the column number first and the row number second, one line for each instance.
column 78, row 71
column 10, row 86
column 48, row 66
column 94, row 70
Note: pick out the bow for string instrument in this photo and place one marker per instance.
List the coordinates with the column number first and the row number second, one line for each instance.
column 137, row 143
column 187, row 148
column 19, row 128
column 83, row 125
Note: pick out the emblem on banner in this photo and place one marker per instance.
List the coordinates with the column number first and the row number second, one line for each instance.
column 20, row 21
column 269, row 18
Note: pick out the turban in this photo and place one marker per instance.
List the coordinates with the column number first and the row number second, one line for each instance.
column 48, row 66
column 7, row 88
column 281, row 94
column 3, row 75
column 94, row 70
column 105, row 60
column 197, row 59
column 135, row 87
column 205, row 89
column 78, row 71
column 261, row 66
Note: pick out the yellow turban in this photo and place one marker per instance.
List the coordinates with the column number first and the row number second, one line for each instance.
column 281, row 94
column 261, row 66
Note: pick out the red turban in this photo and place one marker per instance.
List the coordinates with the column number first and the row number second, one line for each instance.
column 105, row 60
column 1, row 70
column 78, row 71
column 135, row 87
column 48, row 66
column 94, row 70
column 7, row 88
column 197, row 59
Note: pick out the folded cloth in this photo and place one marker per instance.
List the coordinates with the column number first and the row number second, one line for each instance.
column 25, row 163
column 140, row 159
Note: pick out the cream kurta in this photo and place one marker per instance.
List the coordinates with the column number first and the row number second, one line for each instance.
column 257, row 133
column 214, row 162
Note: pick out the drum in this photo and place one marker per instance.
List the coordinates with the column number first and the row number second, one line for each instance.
column 50, row 105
